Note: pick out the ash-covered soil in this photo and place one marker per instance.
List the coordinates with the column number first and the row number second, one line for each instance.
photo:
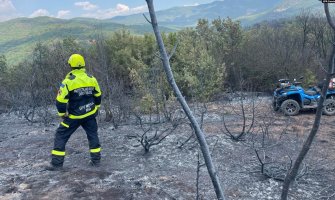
column 167, row 171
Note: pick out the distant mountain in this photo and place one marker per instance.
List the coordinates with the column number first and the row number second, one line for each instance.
column 189, row 15
column 18, row 36
column 284, row 9
column 247, row 11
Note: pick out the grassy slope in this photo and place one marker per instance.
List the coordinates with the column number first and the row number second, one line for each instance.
column 19, row 36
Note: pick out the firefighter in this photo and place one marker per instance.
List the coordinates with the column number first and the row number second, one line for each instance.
column 78, row 101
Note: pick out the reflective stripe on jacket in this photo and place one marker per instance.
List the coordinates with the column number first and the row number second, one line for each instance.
column 79, row 95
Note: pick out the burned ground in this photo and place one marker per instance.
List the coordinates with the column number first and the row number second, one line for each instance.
column 167, row 171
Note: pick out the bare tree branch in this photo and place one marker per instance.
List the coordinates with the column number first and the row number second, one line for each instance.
column 146, row 18
column 188, row 139
column 147, row 139
column 174, row 49
column 246, row 128
column 329, row 18
column 292, row 173
column 200, row 135
column 199, row 165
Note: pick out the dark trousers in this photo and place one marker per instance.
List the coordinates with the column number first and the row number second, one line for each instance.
column 64, row 132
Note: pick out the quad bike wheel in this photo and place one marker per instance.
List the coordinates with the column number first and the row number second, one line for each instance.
column 275, row 105
column 290, row 107
column 329, row 107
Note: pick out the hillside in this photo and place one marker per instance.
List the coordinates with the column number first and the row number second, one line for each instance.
column 188, row 15
column 18, row 36
column 285, row 9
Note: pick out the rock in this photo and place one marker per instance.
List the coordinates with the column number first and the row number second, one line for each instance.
column 24, row 186
column 164, row 178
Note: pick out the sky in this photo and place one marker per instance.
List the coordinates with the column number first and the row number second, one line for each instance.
column 100, row 9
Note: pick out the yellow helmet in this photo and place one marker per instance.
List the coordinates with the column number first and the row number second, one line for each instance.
column 76, row 60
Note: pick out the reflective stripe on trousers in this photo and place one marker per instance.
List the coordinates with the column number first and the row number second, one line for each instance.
column 97, row 150
column 58, row 153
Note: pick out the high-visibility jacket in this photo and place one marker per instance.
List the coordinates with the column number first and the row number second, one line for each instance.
column 79, row 95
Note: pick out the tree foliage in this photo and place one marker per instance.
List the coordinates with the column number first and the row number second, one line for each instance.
column 209, row 59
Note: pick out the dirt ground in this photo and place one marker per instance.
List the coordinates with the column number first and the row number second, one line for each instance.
column 167, row 171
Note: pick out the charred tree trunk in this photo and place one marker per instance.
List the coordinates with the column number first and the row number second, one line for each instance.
column 307, row 144
column 200, row 135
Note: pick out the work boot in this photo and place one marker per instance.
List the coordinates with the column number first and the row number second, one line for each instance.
column 94, row 163
column 52, row 167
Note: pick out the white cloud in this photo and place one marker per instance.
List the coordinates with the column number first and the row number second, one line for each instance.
column 86, row 5
column 40, row 12
column 7, row 10
column 195, row 4
column 63, row 13
column 120, row 9
column 6, row 6
column 139, row 9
